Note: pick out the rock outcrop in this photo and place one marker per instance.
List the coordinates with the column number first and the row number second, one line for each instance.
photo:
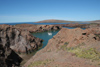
column 91, row 25
column 13, row 41
column 70, row 48
column 8, row 58
column 18, row 39
column 37, row 28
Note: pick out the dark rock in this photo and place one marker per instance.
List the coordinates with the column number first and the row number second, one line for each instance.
column 8, row 58
column 83, row 33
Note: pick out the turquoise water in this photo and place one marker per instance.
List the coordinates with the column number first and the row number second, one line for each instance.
column 45, row 36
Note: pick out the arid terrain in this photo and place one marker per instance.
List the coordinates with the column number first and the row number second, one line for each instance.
column 69, row 47
column 49, row 33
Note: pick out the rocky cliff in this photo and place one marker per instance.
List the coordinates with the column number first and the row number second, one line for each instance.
column 70, row 48
column 8, row 58
column 17, row 39
column 12, row 40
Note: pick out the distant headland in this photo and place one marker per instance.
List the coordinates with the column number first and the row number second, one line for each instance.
column 64, row 21
column 54, row 21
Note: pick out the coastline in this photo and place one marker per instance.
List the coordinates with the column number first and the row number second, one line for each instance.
column 27, row 29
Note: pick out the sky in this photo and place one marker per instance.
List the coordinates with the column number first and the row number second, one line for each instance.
column 37, row 10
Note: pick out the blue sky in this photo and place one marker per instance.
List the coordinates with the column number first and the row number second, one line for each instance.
column 36, row 10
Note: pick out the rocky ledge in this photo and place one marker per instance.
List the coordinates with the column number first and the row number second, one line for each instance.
column 70, row 48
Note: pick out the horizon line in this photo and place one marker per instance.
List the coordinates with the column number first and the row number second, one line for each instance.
column 44, row 20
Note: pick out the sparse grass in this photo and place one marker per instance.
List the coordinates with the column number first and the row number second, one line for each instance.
column 74, row 50
column 83, row 53
column 64, row 47
column 39, row 63
column 99, row 64
column 90, row 53
column 82, row 44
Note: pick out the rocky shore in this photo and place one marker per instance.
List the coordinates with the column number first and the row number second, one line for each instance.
column 16, row 39
column 37, row 28
column 77, row 25
column 70, row 48
column 41, row 28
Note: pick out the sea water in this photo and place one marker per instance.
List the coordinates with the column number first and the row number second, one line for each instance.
column 45, row 36
column 14, row 23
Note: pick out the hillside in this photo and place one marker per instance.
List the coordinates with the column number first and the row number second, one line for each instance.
column 54, row 21
column 66, row 49
column 96, row 21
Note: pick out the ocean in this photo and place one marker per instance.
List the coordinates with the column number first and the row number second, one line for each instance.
column 14, row 23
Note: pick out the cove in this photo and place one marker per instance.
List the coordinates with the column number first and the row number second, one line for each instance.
column 41, row 35
column 46, row 37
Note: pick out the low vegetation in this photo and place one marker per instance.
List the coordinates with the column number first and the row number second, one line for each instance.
column 90, row 53
column 64, row 47
column 41, row 63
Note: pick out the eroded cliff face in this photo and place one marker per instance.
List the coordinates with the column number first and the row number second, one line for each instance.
column 8, row 58
column 17, row 39
column 70, row 48
column 12, row 40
